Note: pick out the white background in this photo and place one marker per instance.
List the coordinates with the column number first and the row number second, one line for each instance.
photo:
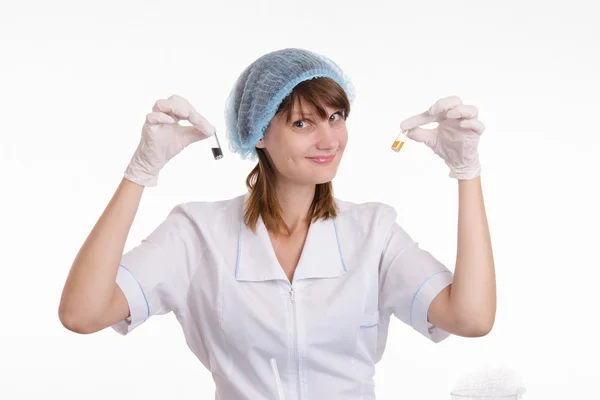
column 78, row 78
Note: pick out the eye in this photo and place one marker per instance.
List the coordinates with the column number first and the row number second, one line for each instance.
column 341, row 114
column 295, row 124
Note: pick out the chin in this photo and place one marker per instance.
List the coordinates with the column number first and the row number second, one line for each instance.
column 323, row 177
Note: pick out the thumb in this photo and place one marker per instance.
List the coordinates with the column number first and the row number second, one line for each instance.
column 200, row 129
column 191, row 134
column 423, row 135
column 415, row 132
column 201, row 123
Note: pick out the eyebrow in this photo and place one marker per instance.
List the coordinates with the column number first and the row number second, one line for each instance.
column 302, row 113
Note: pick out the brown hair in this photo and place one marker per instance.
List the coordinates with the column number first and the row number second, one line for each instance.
column 260, row 182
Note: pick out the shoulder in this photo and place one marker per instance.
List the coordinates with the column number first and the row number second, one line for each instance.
column 369, row 216
column 207, row 215
column 227, row 206
column 366, row 210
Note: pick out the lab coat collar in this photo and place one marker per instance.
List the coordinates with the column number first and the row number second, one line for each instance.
column 321, row 256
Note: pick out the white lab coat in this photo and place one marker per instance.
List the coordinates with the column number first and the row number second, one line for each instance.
column 244, row 320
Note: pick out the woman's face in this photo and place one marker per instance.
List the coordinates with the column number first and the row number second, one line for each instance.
column 308, row 149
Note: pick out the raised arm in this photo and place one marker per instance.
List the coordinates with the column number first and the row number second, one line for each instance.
column 91, row 300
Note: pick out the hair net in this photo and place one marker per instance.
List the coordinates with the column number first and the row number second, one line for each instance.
column 262, row 86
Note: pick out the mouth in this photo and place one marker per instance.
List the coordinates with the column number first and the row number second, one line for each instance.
column 323, row 159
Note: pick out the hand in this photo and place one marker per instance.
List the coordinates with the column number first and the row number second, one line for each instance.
column 456, row 137
column 163, row 138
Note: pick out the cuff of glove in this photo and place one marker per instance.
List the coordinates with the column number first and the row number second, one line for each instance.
column 136, row 175
column 465, row 172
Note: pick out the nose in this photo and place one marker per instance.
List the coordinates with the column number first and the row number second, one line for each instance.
column 327, row 137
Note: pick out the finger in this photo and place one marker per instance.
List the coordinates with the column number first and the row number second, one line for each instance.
column 444, row 105
column 155, row 118
column 176, row 109
column 201, row 123
column 417, row 120
column 191, row 134
column 178, row 98
column 423, row 135
column 473, row 124
column 180, row 108
column 462, row 111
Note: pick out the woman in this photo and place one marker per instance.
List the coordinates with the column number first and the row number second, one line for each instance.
column 285, row 291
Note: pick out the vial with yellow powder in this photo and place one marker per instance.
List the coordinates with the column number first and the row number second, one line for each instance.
column 400, row 140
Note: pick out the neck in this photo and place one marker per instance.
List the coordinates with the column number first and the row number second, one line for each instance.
column 295, row 201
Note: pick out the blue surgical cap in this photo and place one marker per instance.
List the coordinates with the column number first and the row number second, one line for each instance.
column 261, row 88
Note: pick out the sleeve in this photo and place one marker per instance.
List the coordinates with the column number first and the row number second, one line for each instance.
column 155, row 275
column 410, row 278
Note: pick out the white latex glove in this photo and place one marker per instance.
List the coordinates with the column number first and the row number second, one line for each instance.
column 163, row 138
column 456, row 137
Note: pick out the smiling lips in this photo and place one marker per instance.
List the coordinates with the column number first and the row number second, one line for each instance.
column 323, row 159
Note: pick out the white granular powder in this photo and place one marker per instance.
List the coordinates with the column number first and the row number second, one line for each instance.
column 489, row 384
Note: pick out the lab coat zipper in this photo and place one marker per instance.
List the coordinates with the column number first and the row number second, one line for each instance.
column 293, row 299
